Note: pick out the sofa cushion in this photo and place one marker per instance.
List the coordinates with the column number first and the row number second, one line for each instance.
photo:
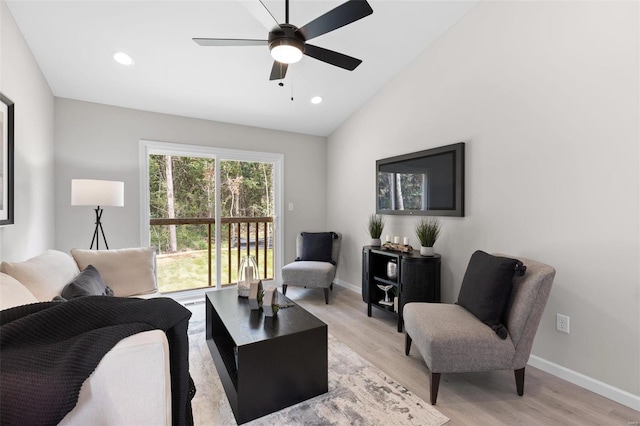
column 486, row 288
column 317, row 246
column 44, row 275
column 12, row 293
column 129, row 272
column 87, row 283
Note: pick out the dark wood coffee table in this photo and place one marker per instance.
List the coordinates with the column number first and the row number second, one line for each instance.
column 265, row 364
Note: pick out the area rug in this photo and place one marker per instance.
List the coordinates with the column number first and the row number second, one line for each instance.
column 359, row 394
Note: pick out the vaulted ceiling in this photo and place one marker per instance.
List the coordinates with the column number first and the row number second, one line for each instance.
column 73, row 42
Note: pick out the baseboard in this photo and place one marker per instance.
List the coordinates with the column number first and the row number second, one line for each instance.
column 589, row 383
column 348, row 286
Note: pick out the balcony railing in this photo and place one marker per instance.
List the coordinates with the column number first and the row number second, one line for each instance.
column 240, row 236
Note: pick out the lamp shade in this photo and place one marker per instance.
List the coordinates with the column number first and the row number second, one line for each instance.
column 91, row 192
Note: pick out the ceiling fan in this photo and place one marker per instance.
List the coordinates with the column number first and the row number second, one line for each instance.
column 288, row 43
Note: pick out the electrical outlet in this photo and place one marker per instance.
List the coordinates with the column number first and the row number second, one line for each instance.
column 562, row 323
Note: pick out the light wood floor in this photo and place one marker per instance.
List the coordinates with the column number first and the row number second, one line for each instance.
column 469, row 398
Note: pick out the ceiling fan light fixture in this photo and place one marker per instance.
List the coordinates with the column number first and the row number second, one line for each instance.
column 286, row 51
column 122, row 58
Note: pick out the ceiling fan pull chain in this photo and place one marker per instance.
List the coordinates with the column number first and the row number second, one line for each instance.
column 291, row 89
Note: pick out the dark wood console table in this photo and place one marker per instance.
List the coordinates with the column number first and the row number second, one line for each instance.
column 265, row 364
column 417, row 280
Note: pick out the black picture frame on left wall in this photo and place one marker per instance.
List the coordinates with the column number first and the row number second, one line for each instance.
column 6, row 160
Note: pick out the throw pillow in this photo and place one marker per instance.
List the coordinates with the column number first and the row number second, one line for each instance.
column 44, row 275
column 12, row 293
column 129, row 272
column 317, row 246
column 86, row 283
column 486, row 288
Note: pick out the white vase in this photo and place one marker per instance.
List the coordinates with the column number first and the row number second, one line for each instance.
column 426, row 251
column 375, row 242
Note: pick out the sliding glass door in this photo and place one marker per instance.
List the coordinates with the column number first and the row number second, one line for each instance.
column 206, row 209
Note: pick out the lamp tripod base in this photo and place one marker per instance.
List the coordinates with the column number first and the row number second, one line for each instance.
column 98, row 231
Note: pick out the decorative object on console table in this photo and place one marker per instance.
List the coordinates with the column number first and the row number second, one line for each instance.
column 427, row 231
column 91, row 192
column 376, row 225
column 392, row 269
column 270, row 304
column 247, row 272
column 386, row 301
column 397, row 247
column 256, row 294
column 6, row 160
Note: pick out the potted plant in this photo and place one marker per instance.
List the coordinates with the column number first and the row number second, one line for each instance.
column 427, row 231
column 376, row 225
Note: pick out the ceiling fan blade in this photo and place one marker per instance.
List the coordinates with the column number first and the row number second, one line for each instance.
column 332, row 57
column 278, row 71
column 230, row 42
column 342, row 15
column 261, row 13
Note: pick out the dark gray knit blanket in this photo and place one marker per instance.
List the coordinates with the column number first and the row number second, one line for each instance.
column 47, row 350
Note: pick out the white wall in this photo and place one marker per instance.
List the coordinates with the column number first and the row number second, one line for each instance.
column 545, row 94
column 23, row 83
column 95, row 141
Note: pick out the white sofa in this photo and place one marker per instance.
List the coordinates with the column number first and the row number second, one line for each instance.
column 131, row 385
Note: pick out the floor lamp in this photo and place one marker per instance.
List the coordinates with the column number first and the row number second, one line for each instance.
column 90, row 192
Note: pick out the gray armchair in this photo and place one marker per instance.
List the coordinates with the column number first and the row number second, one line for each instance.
column 452, row 340
column 312, row 273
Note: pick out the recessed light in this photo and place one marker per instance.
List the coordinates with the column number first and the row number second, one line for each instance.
column 316, row 100
column 122, row 58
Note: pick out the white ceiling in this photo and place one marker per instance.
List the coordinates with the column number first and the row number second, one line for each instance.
column 73, row 42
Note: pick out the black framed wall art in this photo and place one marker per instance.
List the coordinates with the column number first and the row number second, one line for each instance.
column 6, row 160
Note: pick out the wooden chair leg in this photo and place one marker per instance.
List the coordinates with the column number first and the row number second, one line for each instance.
column 284, row 289
column 407, row 344
column 435, row 383
column 519, row 380
column 326, row 295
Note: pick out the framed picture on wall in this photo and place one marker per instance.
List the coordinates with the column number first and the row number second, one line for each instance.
column 6, row 161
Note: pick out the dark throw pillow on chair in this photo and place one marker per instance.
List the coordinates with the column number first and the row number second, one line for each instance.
column 87, row 283
column 486, row 288
column 317, row 246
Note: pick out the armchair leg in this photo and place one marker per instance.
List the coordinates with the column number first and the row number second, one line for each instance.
column 435, row 383
column 407, row 344
column 331, row 286
column 519, row 380
column 284, row 289
column 326, row 295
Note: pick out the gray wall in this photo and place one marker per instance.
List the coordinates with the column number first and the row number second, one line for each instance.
column 96, row 141
column 23, row 83
column 545, row 94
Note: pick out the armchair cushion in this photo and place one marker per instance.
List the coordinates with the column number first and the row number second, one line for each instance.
column 129, row 272
column 486, row 288
column 309, row 274
column 88, row 283
column 451, row 339
column 317, row 246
